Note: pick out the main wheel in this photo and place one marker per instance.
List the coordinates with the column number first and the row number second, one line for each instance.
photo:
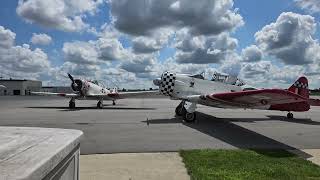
column 72, row 105
column 289, row 115
column 179, row 109
column 189, row 117
column 99, row 105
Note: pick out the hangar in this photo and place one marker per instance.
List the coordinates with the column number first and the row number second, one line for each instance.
column 19, row 86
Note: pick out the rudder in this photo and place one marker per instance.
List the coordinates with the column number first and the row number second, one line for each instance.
column 300, row 87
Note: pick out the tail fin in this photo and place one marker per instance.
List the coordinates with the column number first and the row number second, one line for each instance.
column 300, row 87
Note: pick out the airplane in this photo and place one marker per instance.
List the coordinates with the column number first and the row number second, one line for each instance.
column 90, row 90
column 230, row 92
column 2, row 86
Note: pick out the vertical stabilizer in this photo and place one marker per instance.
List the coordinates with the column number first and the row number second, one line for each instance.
column 300, row 87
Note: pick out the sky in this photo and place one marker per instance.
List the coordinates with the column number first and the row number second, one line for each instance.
column 128, row 43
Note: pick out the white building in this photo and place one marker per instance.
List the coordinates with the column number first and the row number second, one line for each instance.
column 19, row 86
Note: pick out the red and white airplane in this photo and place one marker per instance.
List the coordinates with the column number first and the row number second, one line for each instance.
column 230, row 92
column 90, row 90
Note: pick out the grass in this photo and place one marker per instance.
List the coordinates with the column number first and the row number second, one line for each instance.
column 247, row 164
column 314, row 93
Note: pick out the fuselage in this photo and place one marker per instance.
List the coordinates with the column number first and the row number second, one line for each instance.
column 90, row 90
column 185, row 87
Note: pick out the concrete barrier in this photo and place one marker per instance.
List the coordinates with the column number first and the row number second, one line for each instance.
column 39, row 153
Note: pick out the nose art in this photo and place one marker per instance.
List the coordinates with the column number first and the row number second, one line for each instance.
column 167, row 83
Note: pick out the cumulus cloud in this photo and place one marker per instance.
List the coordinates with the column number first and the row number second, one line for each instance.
column 110, row 49
column 153, row 43
column 203, row 50
column 40, row 39
column 80, row 52
column 252, row 70
column 20, row 61
column 311, row 5
column 202, row 28
column 202, row 17
column 7, row 38
column 290, row 39
column 251, row 54
column 100, row 51
column 65, row 15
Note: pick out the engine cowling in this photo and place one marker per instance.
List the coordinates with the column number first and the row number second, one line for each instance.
column 166, row 85
column 77, row 85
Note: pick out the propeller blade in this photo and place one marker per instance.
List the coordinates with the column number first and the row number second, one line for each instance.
column 71, row 78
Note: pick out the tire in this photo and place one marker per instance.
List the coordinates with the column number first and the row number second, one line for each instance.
column 113, row 103
column 179, row 110
column 99, row 105
column 72, row 105
column 189, row 117
column 289, row 115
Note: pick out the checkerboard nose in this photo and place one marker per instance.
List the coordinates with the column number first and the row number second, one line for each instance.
column 167, row 83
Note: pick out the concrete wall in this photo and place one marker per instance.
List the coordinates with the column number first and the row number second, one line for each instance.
column 21, row 87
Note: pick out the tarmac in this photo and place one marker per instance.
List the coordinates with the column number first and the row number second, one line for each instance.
column 149, row 125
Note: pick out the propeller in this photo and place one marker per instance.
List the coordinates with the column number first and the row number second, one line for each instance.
column 76, row 85
column 71, row 78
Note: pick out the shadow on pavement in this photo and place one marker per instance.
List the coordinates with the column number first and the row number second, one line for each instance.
column 90, row 108
column 230, row 133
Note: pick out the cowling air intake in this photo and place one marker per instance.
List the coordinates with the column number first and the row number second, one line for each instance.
column 167, row 83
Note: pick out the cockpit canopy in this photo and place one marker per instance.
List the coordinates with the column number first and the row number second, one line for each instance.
column 227, row 79
column 198, row 76
column 94, row 82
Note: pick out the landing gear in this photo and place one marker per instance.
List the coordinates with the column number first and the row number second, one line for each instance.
column 179, row 109
column 72, row 104
column 189, row 117
column 100, row 105
column 113, row 102
column 289, row 115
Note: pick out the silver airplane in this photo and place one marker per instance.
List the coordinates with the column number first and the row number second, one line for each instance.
column 90, row 90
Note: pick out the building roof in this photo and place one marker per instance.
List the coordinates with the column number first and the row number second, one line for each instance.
column 19, row 80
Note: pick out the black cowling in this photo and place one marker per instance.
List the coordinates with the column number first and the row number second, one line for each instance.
column 76, row 85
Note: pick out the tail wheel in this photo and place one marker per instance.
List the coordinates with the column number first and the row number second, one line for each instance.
column 289, row 115
column 72, row 105
column 189, row 117
column 113, row 103
column 99, row 105
column 179, row 109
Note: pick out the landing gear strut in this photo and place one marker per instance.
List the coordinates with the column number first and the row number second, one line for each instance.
column 100, row 104
column 182, row 111
column 289, row 115
column 179, row 109
column 113, row 102
column 72, row 103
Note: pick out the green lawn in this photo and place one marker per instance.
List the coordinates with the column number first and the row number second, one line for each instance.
column 315, row 94
column 247, row 164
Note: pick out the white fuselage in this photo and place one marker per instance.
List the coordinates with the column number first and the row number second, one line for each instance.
column 91, row 90
column 186, row 86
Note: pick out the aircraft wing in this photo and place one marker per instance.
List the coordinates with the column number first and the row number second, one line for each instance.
column 314, row 102
column 138, row 94
column 255, row 98
column 67, row 95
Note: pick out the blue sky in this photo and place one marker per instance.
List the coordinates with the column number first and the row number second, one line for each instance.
column 255, row 15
